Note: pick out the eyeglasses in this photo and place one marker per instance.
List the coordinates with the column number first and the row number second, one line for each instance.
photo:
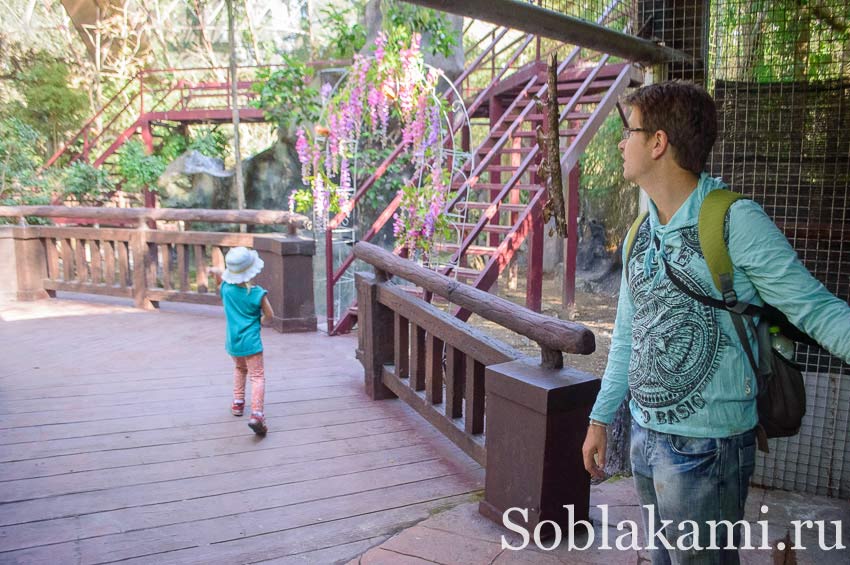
column 628, row 131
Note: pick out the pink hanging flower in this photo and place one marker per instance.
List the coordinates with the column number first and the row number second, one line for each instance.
column 372, row 99
column 344, row 177
column 302, row 146
column 326, row 91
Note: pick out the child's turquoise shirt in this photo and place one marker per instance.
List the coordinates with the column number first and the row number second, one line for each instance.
column 243, row 310
column 682, row 360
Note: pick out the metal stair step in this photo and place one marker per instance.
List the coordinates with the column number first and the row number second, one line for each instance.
column 498, row 186
column 520, row 150
column 489, row 228
column 540, row 117
column 471, row 250
column 467, row 273
column 589, row 99
column 485, row 205
column 502, row 168
column 533, row 134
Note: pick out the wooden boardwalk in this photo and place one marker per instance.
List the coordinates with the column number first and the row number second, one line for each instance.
column 117, row 444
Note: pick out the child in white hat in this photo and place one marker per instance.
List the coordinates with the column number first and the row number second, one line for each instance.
column 246, row 307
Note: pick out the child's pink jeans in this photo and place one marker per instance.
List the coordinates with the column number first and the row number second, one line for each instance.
column 250, row 366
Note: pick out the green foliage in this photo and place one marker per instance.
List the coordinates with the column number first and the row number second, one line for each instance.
column 210, row 142
column 402, row 20
column 605, row 194
column 137, row 169
column 345, row 39
column 86, row 184
column 303, row 199
column 172, row 146
column 21, row 181
column 778, row 41
column 51, row 106
column 371, row 153
column 285, row 95
column 19, row 152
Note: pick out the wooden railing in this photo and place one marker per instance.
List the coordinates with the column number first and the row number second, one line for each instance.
column 150, row 265
column 466, row 383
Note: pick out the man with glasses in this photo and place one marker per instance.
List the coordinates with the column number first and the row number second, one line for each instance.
column 693, row 392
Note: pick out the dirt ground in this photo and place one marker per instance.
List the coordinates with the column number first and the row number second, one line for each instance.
column 596, row 307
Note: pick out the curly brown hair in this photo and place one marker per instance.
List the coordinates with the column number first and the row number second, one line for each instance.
column 686, row 113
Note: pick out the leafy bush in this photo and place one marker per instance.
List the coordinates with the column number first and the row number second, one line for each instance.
column 86, row 184
column 19, row 153
column 605, row 194
column 345, row 39
column 285, row 95
column 210, row 142
column 172, row 146
column 51, row 106
column 137, row 169
column 403, row 20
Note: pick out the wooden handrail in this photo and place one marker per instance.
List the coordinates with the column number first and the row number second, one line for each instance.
column 141, row 215
column 550, row 333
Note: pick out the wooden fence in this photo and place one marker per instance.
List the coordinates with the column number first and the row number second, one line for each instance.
column 524, row 419
column 151, row 266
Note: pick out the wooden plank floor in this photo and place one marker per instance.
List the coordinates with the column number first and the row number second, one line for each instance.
column 117, row 444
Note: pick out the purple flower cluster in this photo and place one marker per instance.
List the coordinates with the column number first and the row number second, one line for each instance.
column 376, row 87
column 302, row 146
column 327, row 88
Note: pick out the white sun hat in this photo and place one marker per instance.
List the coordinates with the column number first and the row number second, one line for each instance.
column 242, row 264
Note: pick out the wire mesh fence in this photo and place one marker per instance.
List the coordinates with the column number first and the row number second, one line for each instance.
column 780, row 73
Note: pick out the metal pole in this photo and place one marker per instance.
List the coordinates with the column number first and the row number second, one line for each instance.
column 547, row 23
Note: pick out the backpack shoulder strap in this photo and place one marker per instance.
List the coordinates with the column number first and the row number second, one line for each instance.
column 631, row 236
column 712, row 218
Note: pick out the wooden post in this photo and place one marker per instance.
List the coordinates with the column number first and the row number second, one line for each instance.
column 536, row 423
column 288, row 276
column 139, row 252
column 375, row 322
column 23, row 250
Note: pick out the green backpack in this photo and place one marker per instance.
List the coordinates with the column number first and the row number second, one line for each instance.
column 781, row 393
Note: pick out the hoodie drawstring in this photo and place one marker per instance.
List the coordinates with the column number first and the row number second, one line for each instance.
column 655, row 257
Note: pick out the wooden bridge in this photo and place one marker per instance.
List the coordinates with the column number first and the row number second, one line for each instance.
column 117, row 443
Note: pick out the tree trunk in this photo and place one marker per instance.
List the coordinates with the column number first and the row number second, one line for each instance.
column 234, row 106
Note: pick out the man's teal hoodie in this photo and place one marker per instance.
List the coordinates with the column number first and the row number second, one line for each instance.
column 682, row 360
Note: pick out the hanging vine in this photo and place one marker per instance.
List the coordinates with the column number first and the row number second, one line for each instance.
column 390, row 89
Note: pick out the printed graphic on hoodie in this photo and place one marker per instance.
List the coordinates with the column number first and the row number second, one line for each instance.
column 676, row 340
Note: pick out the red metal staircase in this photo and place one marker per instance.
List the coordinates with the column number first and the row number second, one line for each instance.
column 170, row 97
column 506, row 207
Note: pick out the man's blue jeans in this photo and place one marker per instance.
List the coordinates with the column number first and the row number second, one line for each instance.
column 697, row 479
